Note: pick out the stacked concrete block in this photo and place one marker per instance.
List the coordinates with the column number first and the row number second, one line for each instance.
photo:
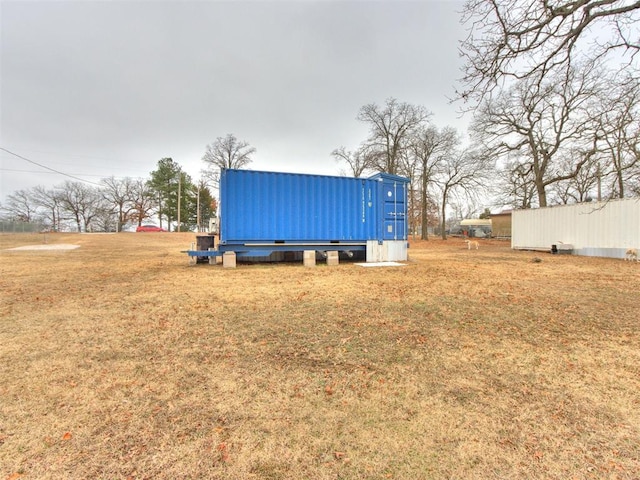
column 229, row 260
column 332, row 258
column 309, row 258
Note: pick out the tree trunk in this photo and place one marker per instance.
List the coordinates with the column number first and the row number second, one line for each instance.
column 443, row 231
column 423, row 206
column 542, row 194
column 620, row 180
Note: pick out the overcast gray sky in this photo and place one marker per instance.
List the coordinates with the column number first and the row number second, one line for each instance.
column 95, row 89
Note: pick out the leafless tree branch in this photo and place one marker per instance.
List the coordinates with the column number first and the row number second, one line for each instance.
column 524, row 39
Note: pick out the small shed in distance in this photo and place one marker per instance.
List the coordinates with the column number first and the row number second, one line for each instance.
column 501, row 224
column 476, row 227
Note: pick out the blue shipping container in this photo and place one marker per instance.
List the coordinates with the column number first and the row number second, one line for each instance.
column 275, row 207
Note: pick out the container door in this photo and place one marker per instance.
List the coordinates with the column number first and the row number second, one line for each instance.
column 395, row 209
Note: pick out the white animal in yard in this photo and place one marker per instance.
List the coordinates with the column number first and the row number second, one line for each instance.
column 631, row 255
column 472, row 243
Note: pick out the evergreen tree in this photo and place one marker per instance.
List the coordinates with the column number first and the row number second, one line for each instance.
column 165, row 181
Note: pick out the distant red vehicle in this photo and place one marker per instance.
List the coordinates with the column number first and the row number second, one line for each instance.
column 149, row 228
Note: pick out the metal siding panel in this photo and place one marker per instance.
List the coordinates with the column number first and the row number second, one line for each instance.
column 592, row 227
column 281, row 188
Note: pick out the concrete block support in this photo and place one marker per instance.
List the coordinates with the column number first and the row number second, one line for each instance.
column 375, row 252
column 332, row 258
column 387, row 251
column 229, row 260
column 212, row 259
column 309, row 258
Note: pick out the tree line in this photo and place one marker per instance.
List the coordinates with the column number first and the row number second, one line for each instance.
column 114, row 203
column 403, row 141
column 564, row 139
column 169, row 194
column 554, row 88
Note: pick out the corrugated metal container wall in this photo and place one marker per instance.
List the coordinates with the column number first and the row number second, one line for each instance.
column 595, row 228
column 275, row 206
column 394, row 208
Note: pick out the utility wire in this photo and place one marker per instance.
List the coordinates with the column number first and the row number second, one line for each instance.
column 49, row 168
column 79, row 174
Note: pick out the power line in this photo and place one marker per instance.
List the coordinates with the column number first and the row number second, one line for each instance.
column 71, row 155
column 49, row 168
column 79, row 174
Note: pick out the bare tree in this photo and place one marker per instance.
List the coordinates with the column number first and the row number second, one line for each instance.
column 526, row 39
column 144, row 201
column 579, row 188
column 105, row 219
column 429, row 148
column 82, row 202
column 466, row 174
column 358, row 161
column 633, row 182
column 226, row 152
column 390, row 130
column 620, row 129
column 516, row 184
column 634, row 186
column 411, row 170
column 544, row 123
column 118, row 193
column 21, row 206
column 51, row 205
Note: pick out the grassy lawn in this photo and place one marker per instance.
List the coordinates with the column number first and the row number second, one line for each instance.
column 119, row 360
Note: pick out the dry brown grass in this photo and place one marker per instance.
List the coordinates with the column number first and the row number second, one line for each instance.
column 118, row 360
